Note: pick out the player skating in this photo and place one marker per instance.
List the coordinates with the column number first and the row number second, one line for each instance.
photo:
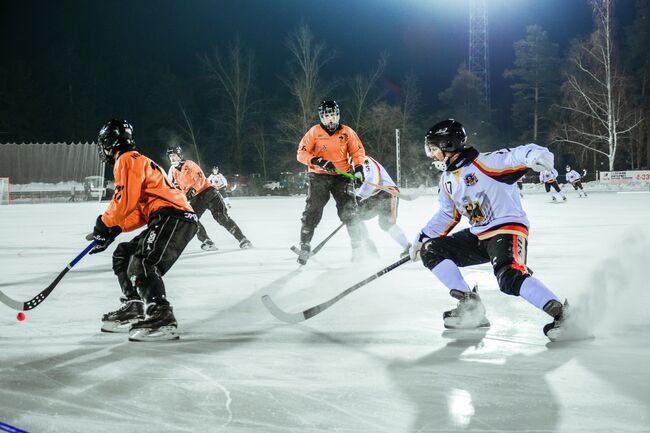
column 325, row 148
column 376, row 202
column 481, row 187
column 202, row 195
column 575, row 179
column 219, row 181
column 549, row 178
column 207, row 244
column 143, row 196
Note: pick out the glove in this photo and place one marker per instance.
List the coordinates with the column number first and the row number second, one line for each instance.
column 324, row 164
column 416, row 245
column 358, row 173
column 542, row 161
column 190, row 193
column 103, row 236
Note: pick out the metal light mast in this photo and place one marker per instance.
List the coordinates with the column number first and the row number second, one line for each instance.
column 478, row 46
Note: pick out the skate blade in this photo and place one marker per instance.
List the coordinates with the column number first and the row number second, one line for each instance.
column 118, row 327
column 209, row 248
column 560, row 335
column 452, row 325
column 160, row 334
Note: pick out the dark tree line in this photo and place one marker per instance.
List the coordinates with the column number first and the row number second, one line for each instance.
column 592, row 110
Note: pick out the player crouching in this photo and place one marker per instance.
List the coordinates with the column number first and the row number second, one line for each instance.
column 481, row 186
column 143, row 196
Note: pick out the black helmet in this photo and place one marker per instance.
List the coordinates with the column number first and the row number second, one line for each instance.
column 116, row 135
column 448, row 135
column 175, row 150
column 329, row 106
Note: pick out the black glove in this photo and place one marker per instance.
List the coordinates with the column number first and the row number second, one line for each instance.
column 190, row 193
column 358, row 173
column 103, row 235
column 324, row 164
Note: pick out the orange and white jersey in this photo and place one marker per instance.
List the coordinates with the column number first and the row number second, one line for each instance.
column 141, row 188
column 374, row 172
column 482, row 187
column 189, row 175
column 218, row 180
column 335, row 147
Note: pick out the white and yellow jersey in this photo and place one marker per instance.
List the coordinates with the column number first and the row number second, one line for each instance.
column 482, row 187
column 218, row 180
column 547, row 176
column 374, row 172
column 572, row 176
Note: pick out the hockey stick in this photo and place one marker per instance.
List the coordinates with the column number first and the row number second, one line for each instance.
column 388, row 189
column 321, row 245
column 36, row 300
column 311, row 312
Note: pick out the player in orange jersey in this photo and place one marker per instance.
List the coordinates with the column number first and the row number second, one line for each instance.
column 325, row 148
column 202, row 195
column 143, row 196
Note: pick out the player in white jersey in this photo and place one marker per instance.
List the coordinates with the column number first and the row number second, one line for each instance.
column 481, row 186
column 575, row 179
column 549, row 179
column 219, row 181
column 374, row 202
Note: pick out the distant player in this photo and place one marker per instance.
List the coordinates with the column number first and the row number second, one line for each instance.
column 202, row 195
column 520, row 185
column 481, row 187
column 325, row 148
column 549, row 178
column 219, row 181
column 376, row 202
column 143, row 196
column 575, row 179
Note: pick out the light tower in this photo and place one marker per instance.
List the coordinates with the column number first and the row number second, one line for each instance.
column 478, row 46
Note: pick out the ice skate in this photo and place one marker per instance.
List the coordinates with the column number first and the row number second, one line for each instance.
column 564, row 326
column 303, row 255
column 120, row 320
column 245, row 244
column 160, row 324
column 208, row 245
column 469, row 314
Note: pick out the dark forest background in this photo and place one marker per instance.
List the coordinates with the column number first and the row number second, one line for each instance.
column 587, row 99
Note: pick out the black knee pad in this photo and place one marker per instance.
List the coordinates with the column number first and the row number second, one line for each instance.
column 429, row 255
column 121, row 257
column 510, row 279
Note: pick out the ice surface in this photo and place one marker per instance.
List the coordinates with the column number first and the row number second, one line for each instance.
column 378, row 361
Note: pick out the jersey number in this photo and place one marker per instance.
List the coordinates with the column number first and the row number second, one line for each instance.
column 155, row 166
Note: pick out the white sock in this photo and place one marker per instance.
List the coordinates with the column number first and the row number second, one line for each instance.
column 449, row 274
column 535, row 292
column 397, row 234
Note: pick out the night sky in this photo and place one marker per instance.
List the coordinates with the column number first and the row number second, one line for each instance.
column 429, row 38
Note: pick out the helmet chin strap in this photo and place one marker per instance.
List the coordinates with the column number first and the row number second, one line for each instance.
column 441, row 165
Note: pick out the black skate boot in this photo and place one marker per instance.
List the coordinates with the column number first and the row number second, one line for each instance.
column 120, row 320
column 469, row 314
column 565, row 325
column 208, row 245
column 160, row 324
column 304, row 254
column 245, row 244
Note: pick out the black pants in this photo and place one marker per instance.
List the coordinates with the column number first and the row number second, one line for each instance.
column 553, row 184
column 210, row 199
column 318, row 194
column 140, row 263
column 383, row 205
column 506, row 253
column 577, row 185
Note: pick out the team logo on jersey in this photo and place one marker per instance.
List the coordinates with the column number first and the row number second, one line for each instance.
column 343, row 137
column 470, row 179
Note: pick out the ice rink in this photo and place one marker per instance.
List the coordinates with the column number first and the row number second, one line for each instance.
column 378, row 361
